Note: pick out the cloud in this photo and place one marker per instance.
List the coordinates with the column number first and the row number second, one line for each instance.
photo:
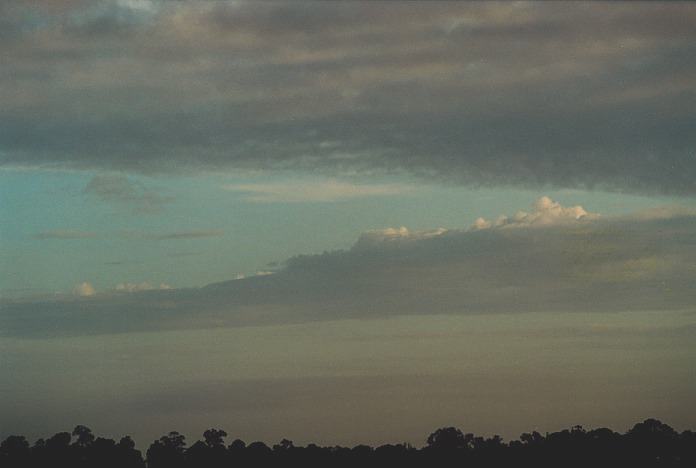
column 394, row 235
column 241, row 276
column 665, row 212
column 183, row 254
column 65, row 234
column 578, row 264
column 594, row 96
column 546, row 212
column 143, row 286
column 119, row 190
column 84, row 289
column 322, row 191
column 182, row 235
column 174, row 235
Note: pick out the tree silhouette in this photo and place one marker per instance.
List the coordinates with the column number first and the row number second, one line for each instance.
column 167, row 452
column 448, row 438
column 215, row 438
column 209, row 453
column 259, row 448
column 84, row 436
column 283, row 446
column 652, row 440
column 237, row 446
column 649, row 444
column 14, row 451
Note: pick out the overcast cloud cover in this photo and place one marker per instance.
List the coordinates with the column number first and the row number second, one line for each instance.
column 580, row 95
column 550, row 259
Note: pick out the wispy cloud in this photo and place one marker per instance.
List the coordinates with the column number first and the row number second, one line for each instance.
column 181, row 235
column 313, row 191
column 142, row 286
column 120, row 190
column 174, row 235
column 183, row 254
column 135, row 235
column 65, row 234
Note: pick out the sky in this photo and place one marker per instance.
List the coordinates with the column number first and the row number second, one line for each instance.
column 348, row 222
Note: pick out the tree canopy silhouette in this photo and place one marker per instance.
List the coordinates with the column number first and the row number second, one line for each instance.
column 650, row 443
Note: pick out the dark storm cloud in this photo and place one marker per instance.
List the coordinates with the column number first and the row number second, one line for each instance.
column 588, row 95
column 553, row 259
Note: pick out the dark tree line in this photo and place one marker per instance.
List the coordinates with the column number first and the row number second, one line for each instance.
column 648, row 444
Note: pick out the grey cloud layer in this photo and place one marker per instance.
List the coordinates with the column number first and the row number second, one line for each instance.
column 577, row 265
column 573, row 95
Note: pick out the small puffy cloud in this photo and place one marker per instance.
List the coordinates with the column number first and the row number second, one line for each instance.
column 84, row 289
column 481, row 223
column 313, row 191
column 546, row 212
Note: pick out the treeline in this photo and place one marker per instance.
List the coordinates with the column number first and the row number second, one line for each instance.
column 648, row 444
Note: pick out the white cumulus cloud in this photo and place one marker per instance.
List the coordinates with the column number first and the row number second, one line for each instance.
column 546, row 212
